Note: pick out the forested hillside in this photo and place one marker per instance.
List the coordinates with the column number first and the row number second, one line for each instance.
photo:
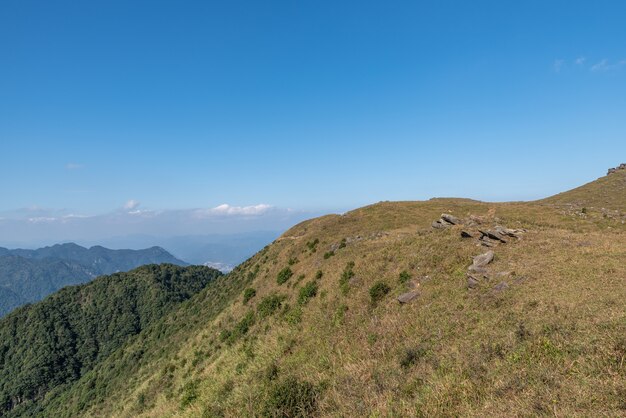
column 48, row 345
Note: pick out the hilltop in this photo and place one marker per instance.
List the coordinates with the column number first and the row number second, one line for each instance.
column 30, row 275
column 448, row 307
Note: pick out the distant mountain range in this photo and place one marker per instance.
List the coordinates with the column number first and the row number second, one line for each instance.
column 228, row 249
column 30, row 275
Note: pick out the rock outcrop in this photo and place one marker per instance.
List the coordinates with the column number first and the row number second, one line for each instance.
column 618, row 168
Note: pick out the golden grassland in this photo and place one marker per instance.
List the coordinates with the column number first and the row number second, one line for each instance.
column 551, row 343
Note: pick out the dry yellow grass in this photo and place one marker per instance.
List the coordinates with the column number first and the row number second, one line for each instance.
column 552, row 343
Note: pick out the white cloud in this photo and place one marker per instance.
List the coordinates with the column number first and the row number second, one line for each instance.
column 228, row 210
column 605, row 65
column 132, row 204
column 580, row 60
column 41, row 219
column 74, row 166
column 557, row 65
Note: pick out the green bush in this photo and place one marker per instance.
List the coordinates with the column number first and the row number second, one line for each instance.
column 225, row 335
column 244, row 325
column 270, row 304
column 292, row 261
column 404, row 277
column 328, row 254
column 241, row 328
column 270, row 373
column 346, row 275
column 284, row 275
column 410, row 356
column 291, row 398
column 340, row 314
column 248, row 294
column 293, row 315
column 318, row 274
column 189, row 394
column 378, row 291
column 312, row 245
column 307, row 291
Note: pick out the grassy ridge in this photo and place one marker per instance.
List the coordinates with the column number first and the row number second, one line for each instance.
column 310, row 326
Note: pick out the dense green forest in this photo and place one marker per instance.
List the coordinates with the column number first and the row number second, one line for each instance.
column 30, row 275
column 52, row 343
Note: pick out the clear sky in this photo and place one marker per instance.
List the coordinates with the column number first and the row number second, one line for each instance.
column 307, row 105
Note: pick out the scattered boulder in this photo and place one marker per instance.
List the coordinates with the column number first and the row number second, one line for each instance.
column 514, row 233
column 472, row 282
column 616, row 169
column 486, row 242
column 408, row 296
column 446, row 220
column 452, row 220
column 501, row 287
column 466, row 234
column 480, row 261
column 439, row 224
column 492, row 234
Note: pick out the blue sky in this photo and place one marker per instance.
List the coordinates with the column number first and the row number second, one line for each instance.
column 312, row 106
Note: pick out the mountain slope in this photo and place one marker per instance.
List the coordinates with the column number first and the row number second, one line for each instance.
column 312, row 324
column 607, row 192
column 53, row 343
column 29, row 275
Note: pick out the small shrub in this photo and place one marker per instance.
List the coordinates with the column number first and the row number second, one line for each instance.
column 284, row 275
column 404, row 277
column 189, row 394
column 328, row 254
column 248, row 294
column 291, row 398
column 346, row 275
column 243, row 326
column 307, row 291
column 224, row 335
column 340, row 314
column 410, row 356
column 378, row 291
column 521, row 332
column 312, row 245
column 293, row 315
column 271, row 373
column 270, row 304
column 318, row 274
column 342, row 244
column 292, row 261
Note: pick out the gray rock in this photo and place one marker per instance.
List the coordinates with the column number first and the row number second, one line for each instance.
column 465, row 234
column 501, row 287
column 515, row 233
column 494, row 235
column 472, row 283
column 487, row 243
column 453, row 220
column 481, row 261
column 408, row 296
column 439, row 225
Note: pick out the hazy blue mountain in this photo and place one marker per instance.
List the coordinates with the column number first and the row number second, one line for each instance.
column 228, row 249
column 30, row 275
